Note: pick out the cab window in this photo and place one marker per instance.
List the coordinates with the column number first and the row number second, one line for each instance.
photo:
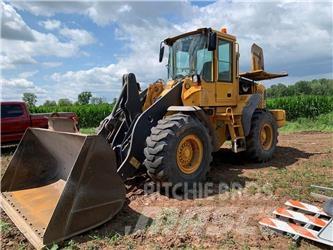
column 8, row 111
column 224, row 61
column 204, row 64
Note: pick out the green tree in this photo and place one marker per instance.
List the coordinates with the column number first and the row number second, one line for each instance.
column 50, row 103
column 322, row 87
column 64, row 102
column 29, row 98
column 303, row 87
column 84, row 97
column 97, row 100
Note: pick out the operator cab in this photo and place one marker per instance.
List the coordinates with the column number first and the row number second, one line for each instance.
column 210, row 58
column 192, row 54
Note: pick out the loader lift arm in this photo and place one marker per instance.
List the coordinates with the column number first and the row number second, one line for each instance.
column 127, row 127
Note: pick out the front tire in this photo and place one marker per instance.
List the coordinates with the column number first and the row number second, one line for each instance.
column 262, row 139
column 178, row 150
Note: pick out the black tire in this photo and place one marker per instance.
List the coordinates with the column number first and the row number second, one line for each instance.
column 162, row 144
column 255, row 150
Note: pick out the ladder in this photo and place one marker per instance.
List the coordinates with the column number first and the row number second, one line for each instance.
column 235, row 129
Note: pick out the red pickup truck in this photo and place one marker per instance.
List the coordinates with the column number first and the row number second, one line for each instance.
column 15, row 119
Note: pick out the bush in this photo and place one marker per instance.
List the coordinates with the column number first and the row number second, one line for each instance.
column 308, row 106
column 90, row 115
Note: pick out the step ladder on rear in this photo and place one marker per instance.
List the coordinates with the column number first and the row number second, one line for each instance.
column 238, row 143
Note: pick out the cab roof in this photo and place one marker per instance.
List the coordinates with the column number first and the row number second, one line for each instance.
column 169, row 41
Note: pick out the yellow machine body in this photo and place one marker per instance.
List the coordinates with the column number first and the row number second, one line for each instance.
column 224, row 99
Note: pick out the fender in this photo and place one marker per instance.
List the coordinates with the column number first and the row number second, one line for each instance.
column 203, row 117
column 248, row 111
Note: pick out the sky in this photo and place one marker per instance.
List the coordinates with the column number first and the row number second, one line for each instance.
column 57, row 49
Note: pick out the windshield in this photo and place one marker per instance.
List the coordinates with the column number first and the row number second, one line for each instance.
column 189, row 55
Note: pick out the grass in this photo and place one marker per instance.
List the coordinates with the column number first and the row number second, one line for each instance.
column 323, row 123
column 4, row 227
column 112, row 238
column 295, row 182
column 88, row 131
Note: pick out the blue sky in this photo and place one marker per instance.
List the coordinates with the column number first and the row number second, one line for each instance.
column 58, row 49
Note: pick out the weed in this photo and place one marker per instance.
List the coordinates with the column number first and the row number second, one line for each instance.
column 114, row 239
column 53, row 247
column 71, row 245
column 4, row 227
column 22, row 246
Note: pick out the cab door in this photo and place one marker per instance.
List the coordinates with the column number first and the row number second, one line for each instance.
column 225, row 79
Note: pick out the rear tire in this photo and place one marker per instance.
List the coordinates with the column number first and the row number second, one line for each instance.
column 178, row 150
column 262, row 139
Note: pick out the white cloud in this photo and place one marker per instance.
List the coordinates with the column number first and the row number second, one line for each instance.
column 12, row 25
column 125, row 8
column 12, row 89
column 296, row 37
column 11, row 61
column 28, row 74
column 101, row 81
column 21, row 51
column 17, row 82
column 105, row 12
column 50, row 24
column 77, row 36
column 288, row 33
column 52, row 64
column 49, row 8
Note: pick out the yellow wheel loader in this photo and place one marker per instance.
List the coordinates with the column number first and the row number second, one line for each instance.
column 60, row 184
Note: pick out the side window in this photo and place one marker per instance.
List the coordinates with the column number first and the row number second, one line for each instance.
column 204, row 64
column 8, row 111
column 225, row 61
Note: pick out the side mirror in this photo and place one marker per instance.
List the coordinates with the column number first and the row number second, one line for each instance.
column 161, row 52
column 212, row 41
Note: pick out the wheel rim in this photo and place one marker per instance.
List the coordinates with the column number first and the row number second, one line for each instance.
column 266, row 136
column 189, row 154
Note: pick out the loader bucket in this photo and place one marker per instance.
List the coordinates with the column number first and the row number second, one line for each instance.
column 60, row 184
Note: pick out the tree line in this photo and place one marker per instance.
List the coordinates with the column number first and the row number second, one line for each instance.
column 83, row 98
column 320, row 87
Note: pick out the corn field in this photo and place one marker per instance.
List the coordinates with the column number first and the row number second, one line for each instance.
column 308, row 106
column 90, row 115
column 296, row 106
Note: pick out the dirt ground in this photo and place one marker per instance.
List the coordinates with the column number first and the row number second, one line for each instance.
column 222, row 220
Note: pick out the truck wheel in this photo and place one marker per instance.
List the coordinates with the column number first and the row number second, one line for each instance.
column 178, row 150
column 262, row 139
